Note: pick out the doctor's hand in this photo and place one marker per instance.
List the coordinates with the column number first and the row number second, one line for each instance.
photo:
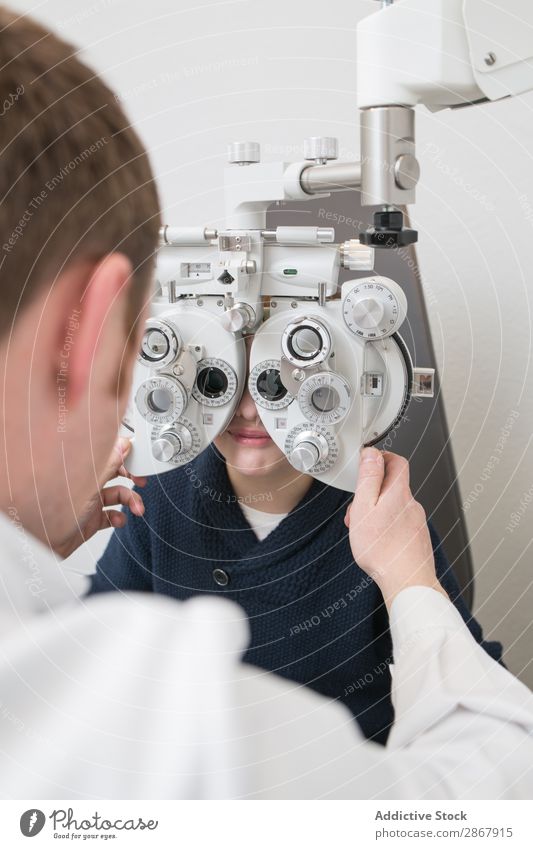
column 389, row 536
column 95, row 516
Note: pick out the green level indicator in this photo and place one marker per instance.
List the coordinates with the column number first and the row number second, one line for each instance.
column 290, row 272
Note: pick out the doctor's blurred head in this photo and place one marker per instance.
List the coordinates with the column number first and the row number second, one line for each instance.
column 79, row 222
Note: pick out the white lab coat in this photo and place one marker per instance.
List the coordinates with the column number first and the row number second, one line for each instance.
column 136, row 696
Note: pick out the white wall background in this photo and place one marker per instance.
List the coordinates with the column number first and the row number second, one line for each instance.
column 196, row 75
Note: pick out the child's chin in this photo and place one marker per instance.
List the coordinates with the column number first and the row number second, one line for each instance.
column 252, row 461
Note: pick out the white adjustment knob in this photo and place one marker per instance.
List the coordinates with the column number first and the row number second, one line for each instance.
column 238, row 317
column 309, row 449
column 368, row 313
column 373, row 307
column 244, row 153
column 305, row 456
column 321, row 148
column 357, row 257
column 171, row 443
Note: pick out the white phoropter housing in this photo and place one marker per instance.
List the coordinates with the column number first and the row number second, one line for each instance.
column 328, row 374
column 187, row 381
column 327, row 369
column 342, row 378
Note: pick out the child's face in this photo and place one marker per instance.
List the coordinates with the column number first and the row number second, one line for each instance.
column 245, row 443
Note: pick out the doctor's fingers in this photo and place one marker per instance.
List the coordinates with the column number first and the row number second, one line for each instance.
column 112, row 519
column 122, row 472
column 369, row 482
column 113, row 495
column 396, row 479
column 115, row 465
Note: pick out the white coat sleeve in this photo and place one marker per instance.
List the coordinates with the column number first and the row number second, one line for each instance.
column 463, row 724
column 139, row 696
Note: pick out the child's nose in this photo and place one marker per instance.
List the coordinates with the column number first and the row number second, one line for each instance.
column 247, row 409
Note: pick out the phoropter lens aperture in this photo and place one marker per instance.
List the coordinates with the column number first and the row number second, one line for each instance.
column 325, row 399
column 269, row 385
column 159, row 401
column 305, row 343
column 212, row 382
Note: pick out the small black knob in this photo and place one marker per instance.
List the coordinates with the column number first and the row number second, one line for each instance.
column 388, row 219
column 226, row 278
column 388, row 231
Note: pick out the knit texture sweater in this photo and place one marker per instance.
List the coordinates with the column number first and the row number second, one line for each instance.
column 315, row 616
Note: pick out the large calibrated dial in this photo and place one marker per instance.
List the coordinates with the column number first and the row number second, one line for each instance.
column 171, row 443
column 374, row 308
column 160, row 400
column 216, row 382
column 178, row 444
column 311, row 448
column 324, row 398
column 266, row 387
column 306, row 342
column 160, row 344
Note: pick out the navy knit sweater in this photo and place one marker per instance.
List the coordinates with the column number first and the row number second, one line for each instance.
column 315, row 617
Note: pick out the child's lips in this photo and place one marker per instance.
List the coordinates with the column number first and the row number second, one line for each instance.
column 256, row 438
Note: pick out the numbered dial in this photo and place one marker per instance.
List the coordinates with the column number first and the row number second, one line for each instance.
column 171, row 443
column 266, row 387
column 324, row 398
column 311, row 448
column 216, row 382
column 374, row 308
column 160, row 344
column 161, row 400
column 178, row 444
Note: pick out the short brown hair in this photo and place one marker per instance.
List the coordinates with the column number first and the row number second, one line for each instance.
column 75, row 180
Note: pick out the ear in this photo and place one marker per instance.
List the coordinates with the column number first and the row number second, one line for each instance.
column 102, row 318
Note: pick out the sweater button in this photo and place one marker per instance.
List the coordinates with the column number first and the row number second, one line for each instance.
column 220, row 577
